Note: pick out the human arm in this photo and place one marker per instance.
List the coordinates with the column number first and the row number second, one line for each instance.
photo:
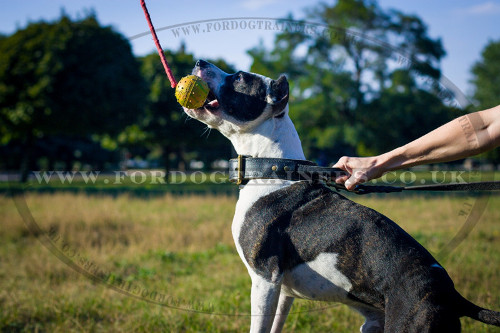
column 464, row 136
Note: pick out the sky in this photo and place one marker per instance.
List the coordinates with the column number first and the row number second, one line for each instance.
column 464, row 26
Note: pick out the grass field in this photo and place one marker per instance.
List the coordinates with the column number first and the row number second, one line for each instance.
column 178, row 251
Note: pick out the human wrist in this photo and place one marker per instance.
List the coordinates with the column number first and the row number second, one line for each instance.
column 392, row 160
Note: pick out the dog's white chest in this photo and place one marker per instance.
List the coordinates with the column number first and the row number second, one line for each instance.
column 317, row 280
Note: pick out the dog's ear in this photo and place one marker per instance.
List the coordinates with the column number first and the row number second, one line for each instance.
column 278, row 97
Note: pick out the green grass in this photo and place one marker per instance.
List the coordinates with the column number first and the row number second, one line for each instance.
column 179, row 251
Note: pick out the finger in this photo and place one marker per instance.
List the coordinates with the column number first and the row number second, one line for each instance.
column 341, row 179
column 358, row 177
column 351, row 183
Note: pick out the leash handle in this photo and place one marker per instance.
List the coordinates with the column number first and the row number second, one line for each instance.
column 367, row 189
column 171, row 78
column 474, row 186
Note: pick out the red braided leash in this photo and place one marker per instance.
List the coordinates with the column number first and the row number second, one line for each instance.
column 173, row 82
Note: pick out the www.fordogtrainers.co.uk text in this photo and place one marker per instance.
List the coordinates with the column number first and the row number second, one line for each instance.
column 158, row 177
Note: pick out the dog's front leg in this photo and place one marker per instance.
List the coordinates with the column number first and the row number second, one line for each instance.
column 264, row 299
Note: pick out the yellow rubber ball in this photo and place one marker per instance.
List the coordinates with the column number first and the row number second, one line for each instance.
column 191, row 92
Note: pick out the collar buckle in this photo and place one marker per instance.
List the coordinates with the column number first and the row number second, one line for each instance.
column 239, row 180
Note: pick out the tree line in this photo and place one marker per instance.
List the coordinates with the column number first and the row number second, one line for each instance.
column 72, row 94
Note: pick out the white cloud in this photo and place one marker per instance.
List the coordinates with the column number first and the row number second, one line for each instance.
column 486, row 8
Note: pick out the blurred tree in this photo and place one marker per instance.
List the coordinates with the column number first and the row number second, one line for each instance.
column 340, row 68
column 417, row 112
column 486, row 79
column 486, row 76
column 67, row 77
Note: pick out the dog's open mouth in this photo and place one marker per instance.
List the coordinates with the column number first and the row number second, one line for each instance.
column 211, row 104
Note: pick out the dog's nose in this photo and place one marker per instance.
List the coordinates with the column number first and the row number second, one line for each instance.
column 202, row 63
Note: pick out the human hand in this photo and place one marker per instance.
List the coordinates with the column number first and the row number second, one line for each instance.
column 360, row 169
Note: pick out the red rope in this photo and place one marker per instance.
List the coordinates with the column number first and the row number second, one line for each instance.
column 171, row 78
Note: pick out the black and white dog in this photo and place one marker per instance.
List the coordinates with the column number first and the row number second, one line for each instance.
column 301, row 239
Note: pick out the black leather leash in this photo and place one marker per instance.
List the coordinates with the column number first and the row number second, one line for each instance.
column 245, row 168
column 474, row 186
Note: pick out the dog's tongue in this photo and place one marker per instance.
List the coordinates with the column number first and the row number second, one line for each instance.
column 213, row 104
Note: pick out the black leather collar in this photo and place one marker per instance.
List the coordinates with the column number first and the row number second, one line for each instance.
column 245, row 168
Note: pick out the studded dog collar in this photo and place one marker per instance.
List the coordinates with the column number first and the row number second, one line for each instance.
column 245, row 168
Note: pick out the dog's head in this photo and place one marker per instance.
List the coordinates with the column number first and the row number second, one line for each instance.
column 238, row 102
